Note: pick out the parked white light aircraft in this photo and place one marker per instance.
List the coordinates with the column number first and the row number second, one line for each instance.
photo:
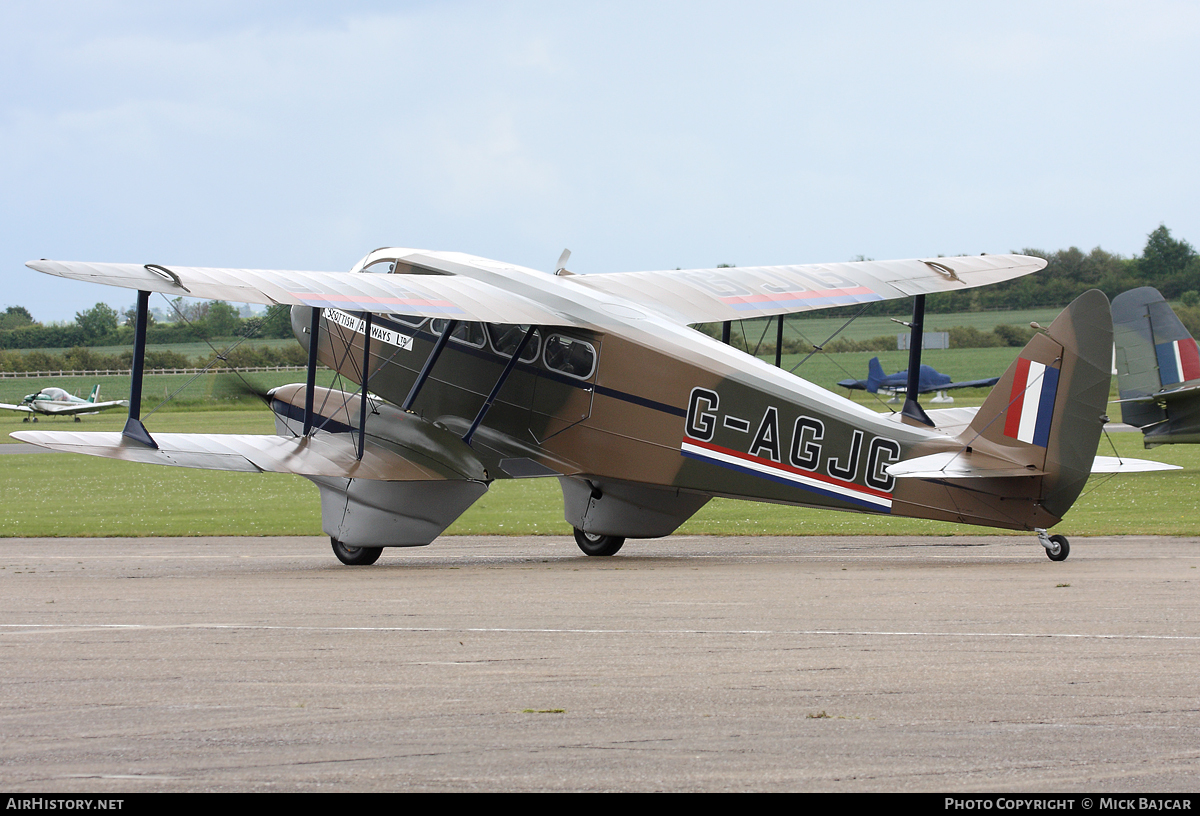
column 469, row 370
column 53, row 401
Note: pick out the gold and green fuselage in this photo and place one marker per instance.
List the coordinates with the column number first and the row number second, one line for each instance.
column 659, row 405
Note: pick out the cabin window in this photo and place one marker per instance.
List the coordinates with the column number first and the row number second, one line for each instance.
column 409, row 320
column 469, row 333
column 506, row 337
column 570, row 356
column 381, row 268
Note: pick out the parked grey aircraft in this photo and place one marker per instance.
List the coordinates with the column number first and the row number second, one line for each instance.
column 1158, row 368
column 469, row 370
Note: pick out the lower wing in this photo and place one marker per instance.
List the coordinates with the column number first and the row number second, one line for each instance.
column 321, row 454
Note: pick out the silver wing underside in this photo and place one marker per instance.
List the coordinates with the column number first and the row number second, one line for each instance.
column 320, row 454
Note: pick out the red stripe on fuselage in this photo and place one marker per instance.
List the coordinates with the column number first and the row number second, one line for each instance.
column 810, row 474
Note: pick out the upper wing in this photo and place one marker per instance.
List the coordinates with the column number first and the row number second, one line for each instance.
column 737, row 293
column 439, row 295
column 460, row 286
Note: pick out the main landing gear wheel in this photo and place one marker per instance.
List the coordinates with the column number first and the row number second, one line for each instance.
column 1060, row 548
column 356, row 556
column 598, row 544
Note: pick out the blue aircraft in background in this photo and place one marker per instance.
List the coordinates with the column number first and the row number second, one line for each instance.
column 931, row 380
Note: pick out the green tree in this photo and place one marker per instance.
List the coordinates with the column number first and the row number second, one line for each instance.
column 222, row 319
column 97, row 323
column 1168, row 264
column 277, row 322
column 15, row 317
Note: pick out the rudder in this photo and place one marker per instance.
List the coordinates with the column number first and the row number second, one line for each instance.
column 1047, row 412
column 1154, row 351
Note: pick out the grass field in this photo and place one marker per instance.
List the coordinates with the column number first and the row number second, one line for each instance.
column 195, row 349
column 61, row 495
column 211, row 390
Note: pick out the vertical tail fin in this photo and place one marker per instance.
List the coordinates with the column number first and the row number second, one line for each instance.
column 1025, row 457
column 875, row 375
column 1154, row 351
column 1158, row 369
column 1047, row 412
column 95, row 396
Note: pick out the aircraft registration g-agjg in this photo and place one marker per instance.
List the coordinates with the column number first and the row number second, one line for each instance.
column 471, row 370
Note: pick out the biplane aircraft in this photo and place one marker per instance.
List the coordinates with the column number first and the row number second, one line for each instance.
column 1158, row 369
column 470, row 370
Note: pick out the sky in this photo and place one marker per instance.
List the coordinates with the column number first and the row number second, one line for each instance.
column 302, row 135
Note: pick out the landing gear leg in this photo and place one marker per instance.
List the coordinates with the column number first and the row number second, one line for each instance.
column 598, row 544
column 356, row 556
column 1057, row 546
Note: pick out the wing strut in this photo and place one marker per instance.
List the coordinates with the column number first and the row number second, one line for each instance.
column 311, row 381
column 779, row 344
column 362, row 399
column 912, row 409
column 512, row 362
column 134, row 429
column 451, row 325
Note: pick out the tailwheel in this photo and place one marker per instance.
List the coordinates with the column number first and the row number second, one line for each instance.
column 592, row 544
column 1057, row 546
column 1061, row 550
column 356, row 556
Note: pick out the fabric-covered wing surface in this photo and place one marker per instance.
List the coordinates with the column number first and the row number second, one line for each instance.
column 456, row 297
column 467, row 287
column 737, row 293
column 321, row 454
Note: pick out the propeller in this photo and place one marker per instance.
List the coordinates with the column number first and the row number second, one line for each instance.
column 240, row 386
column 561, row 267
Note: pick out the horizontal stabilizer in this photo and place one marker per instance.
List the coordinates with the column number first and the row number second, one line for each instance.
column 1111, row 464
column 963, row 465
column 959, row 465
column 951, row 421
column 322, row 454
column 1167, row 395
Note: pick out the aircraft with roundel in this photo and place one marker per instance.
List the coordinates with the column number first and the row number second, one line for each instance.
column 467, row 370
